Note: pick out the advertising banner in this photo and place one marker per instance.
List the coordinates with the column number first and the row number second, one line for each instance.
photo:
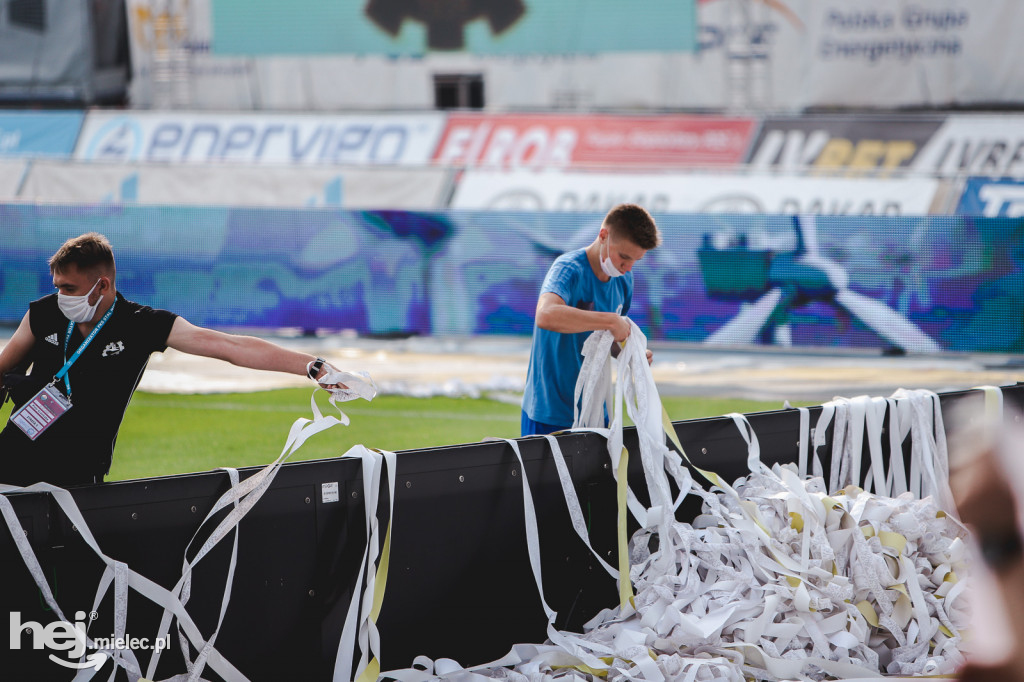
column 261, row 27
column 860, row 144
column 307, row 268
column 799, row 54
column 256, row 139
column 879, row 53
column 915, row 284
column 558, row 141
column 884, row 282
column 975, row 145
column 992, row 198
column 679, row 193
column 285, row 186
column 39, row 133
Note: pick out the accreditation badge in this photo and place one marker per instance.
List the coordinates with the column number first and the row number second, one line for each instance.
column 41, row 411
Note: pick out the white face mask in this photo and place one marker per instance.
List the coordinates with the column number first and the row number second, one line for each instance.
column 606, row 263
column 77, row 308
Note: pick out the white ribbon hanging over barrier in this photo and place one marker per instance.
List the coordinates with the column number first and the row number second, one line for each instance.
column 636, row 389
column 564, row 649
column 361, row 618
column 593, row 389
column 241, row 496
column 115, row 572
column 776, row 579
column 854, row 420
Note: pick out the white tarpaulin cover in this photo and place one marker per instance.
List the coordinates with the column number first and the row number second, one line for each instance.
column 188, row 185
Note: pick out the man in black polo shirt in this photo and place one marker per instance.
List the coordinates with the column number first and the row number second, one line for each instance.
column 115, row 337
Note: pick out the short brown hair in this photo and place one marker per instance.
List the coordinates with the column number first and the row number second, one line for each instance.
column 90, row 251
column 635, row 224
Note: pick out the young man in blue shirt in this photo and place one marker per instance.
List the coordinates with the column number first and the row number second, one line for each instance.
column 584, row 291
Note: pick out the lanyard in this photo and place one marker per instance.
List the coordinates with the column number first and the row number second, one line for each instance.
column 62, row 374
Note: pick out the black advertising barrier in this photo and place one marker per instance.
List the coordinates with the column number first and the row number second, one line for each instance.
column 459, row 584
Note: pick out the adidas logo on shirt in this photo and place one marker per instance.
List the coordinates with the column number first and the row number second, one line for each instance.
column 52, row 338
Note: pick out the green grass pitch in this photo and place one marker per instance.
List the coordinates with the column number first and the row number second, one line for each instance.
column 171, row 434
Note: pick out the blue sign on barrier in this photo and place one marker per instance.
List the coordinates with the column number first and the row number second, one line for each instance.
column 39, row 133
column 886, row 282
column 992, row 198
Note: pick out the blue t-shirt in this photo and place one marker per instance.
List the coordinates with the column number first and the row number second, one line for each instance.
column 556, row 359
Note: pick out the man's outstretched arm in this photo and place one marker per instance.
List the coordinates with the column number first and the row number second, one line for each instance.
column 244, row 351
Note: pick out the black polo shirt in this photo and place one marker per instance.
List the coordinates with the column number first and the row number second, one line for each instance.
column 78, row 447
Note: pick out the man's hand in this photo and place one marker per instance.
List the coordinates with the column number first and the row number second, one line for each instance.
column 650, row 357
column 620, row 329
column 347, row 385
column 322, row 375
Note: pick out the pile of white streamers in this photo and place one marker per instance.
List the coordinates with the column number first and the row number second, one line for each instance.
column 776, row 579
column 876, row 587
